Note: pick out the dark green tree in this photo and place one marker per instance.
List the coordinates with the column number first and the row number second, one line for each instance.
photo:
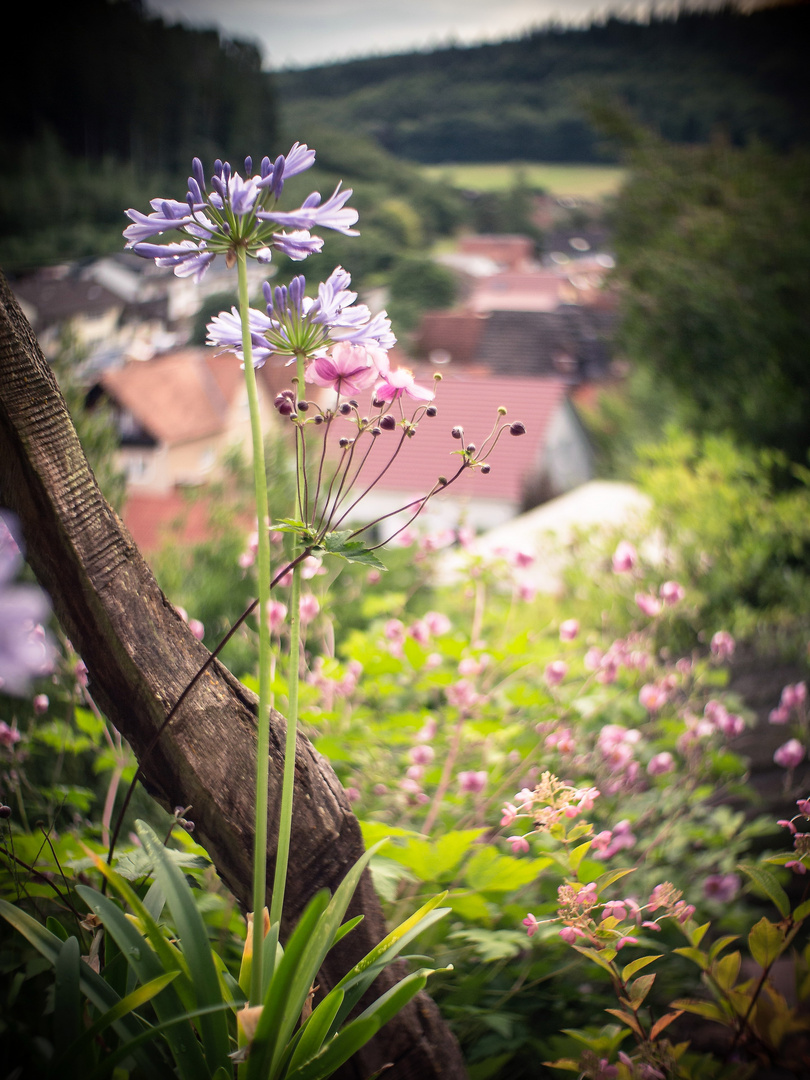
column 713, row 246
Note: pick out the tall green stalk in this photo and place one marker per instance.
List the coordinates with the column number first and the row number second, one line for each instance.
column 288, row 782
column 263, row 564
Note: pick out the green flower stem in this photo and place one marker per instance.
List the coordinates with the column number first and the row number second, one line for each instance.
column 263, row 563
column 288, row 782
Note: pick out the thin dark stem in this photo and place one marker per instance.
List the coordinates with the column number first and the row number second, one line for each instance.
column 189, row 687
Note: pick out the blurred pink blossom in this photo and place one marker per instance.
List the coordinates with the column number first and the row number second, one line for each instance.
column 672, row 592
column 660, row 764
column 722, row 887
column 789, row 754
column 531, row 924
column 308, row 608
column 519, row 844
column 648, row 604
column 474, row 782
column 276, row 614
column 556, row 672
column 722, row 645
column 41, row 703
column 569, row 629
column 624, row 557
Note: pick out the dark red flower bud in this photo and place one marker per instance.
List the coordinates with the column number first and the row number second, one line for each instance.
column 517, row 427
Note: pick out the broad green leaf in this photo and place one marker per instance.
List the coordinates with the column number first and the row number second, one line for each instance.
column 720, row 944
column 726, row 969
column 766, row 942
column 340, row 544
column 701, row 1008
column 766, row 880
column 490, row 871
column 597, row 957
column 608, row 878
column 696, row 934
column 637, row 965
column 195, row 946
column 639, row 988
column 802, row 911
column 344, row 1046
column 696, row 955
column 578, row 854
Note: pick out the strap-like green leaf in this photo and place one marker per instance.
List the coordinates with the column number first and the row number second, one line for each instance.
column 147, row 966
column 316, row 1029
column 125, row 1006
column 67, row 998
column 94, row 988
column 196, row 948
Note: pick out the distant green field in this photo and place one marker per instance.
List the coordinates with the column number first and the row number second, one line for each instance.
column 581, row 181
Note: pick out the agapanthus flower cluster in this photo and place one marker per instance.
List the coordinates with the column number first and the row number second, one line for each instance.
column 26, row 650
column 238, row 213
column 346, row 345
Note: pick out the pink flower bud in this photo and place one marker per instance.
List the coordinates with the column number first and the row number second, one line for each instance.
column 531, row 924
column 197, row 629
column 276, row 614
column 569, row 629
column 624, row 557
column 662, row 763
column 474, row 782
column 519, row 844
column 722, row 645
column 648, row 604
column 569, row 934
column 671, row 592
column 41, row 703
column 789, row 754
column 556, row 672
column 308, row 608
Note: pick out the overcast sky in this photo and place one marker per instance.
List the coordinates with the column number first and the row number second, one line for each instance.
column 303, row 33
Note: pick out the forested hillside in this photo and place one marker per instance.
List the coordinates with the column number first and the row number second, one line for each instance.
column 526, row 99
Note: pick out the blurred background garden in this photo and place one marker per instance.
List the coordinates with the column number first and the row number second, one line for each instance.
column 605, row 229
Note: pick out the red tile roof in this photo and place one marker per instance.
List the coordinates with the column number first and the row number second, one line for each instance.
column 150, row 517
column 178, row 396
column 471, row 400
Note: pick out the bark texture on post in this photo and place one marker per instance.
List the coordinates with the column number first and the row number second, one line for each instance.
column 140, row 656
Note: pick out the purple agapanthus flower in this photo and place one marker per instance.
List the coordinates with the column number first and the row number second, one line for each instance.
column 26, row 651
column 234, row 212
column 295, row 323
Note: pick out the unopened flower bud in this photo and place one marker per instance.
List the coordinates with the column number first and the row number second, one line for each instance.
column 431, row 410
column 470, row 448
column 376, row 431
column 443, row 481
column 285, row 402
column 485, row 468
column 345, row 409
column 303, row 406
column 457, row 433
column 343, row 444
column 388, row 423
column 5, row 811
column 517, row 427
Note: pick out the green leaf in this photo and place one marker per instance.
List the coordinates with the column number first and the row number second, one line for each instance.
column 766, row 880
column 338, row 543
column 766, row 942
column 144, row 962
column 578, row 854
column 94, row 988
column 490, row 871
column 67, row 998
column 597, row 957
column 639, row 988
column 140, row 996
column 637, row 965
column 720, row 944
column 316, row 1029
column 802, row 911
column 696, row 955
column 726, row 970
column 196, row 948
column 344, row 1046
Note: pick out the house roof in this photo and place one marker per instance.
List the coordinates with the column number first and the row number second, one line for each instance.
column 178, row 396
column 506, row 249
column 470, row 400
column 535, row 290
column 547, row 342
column 52, row 298
column 454, row 333
column 150, row 517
